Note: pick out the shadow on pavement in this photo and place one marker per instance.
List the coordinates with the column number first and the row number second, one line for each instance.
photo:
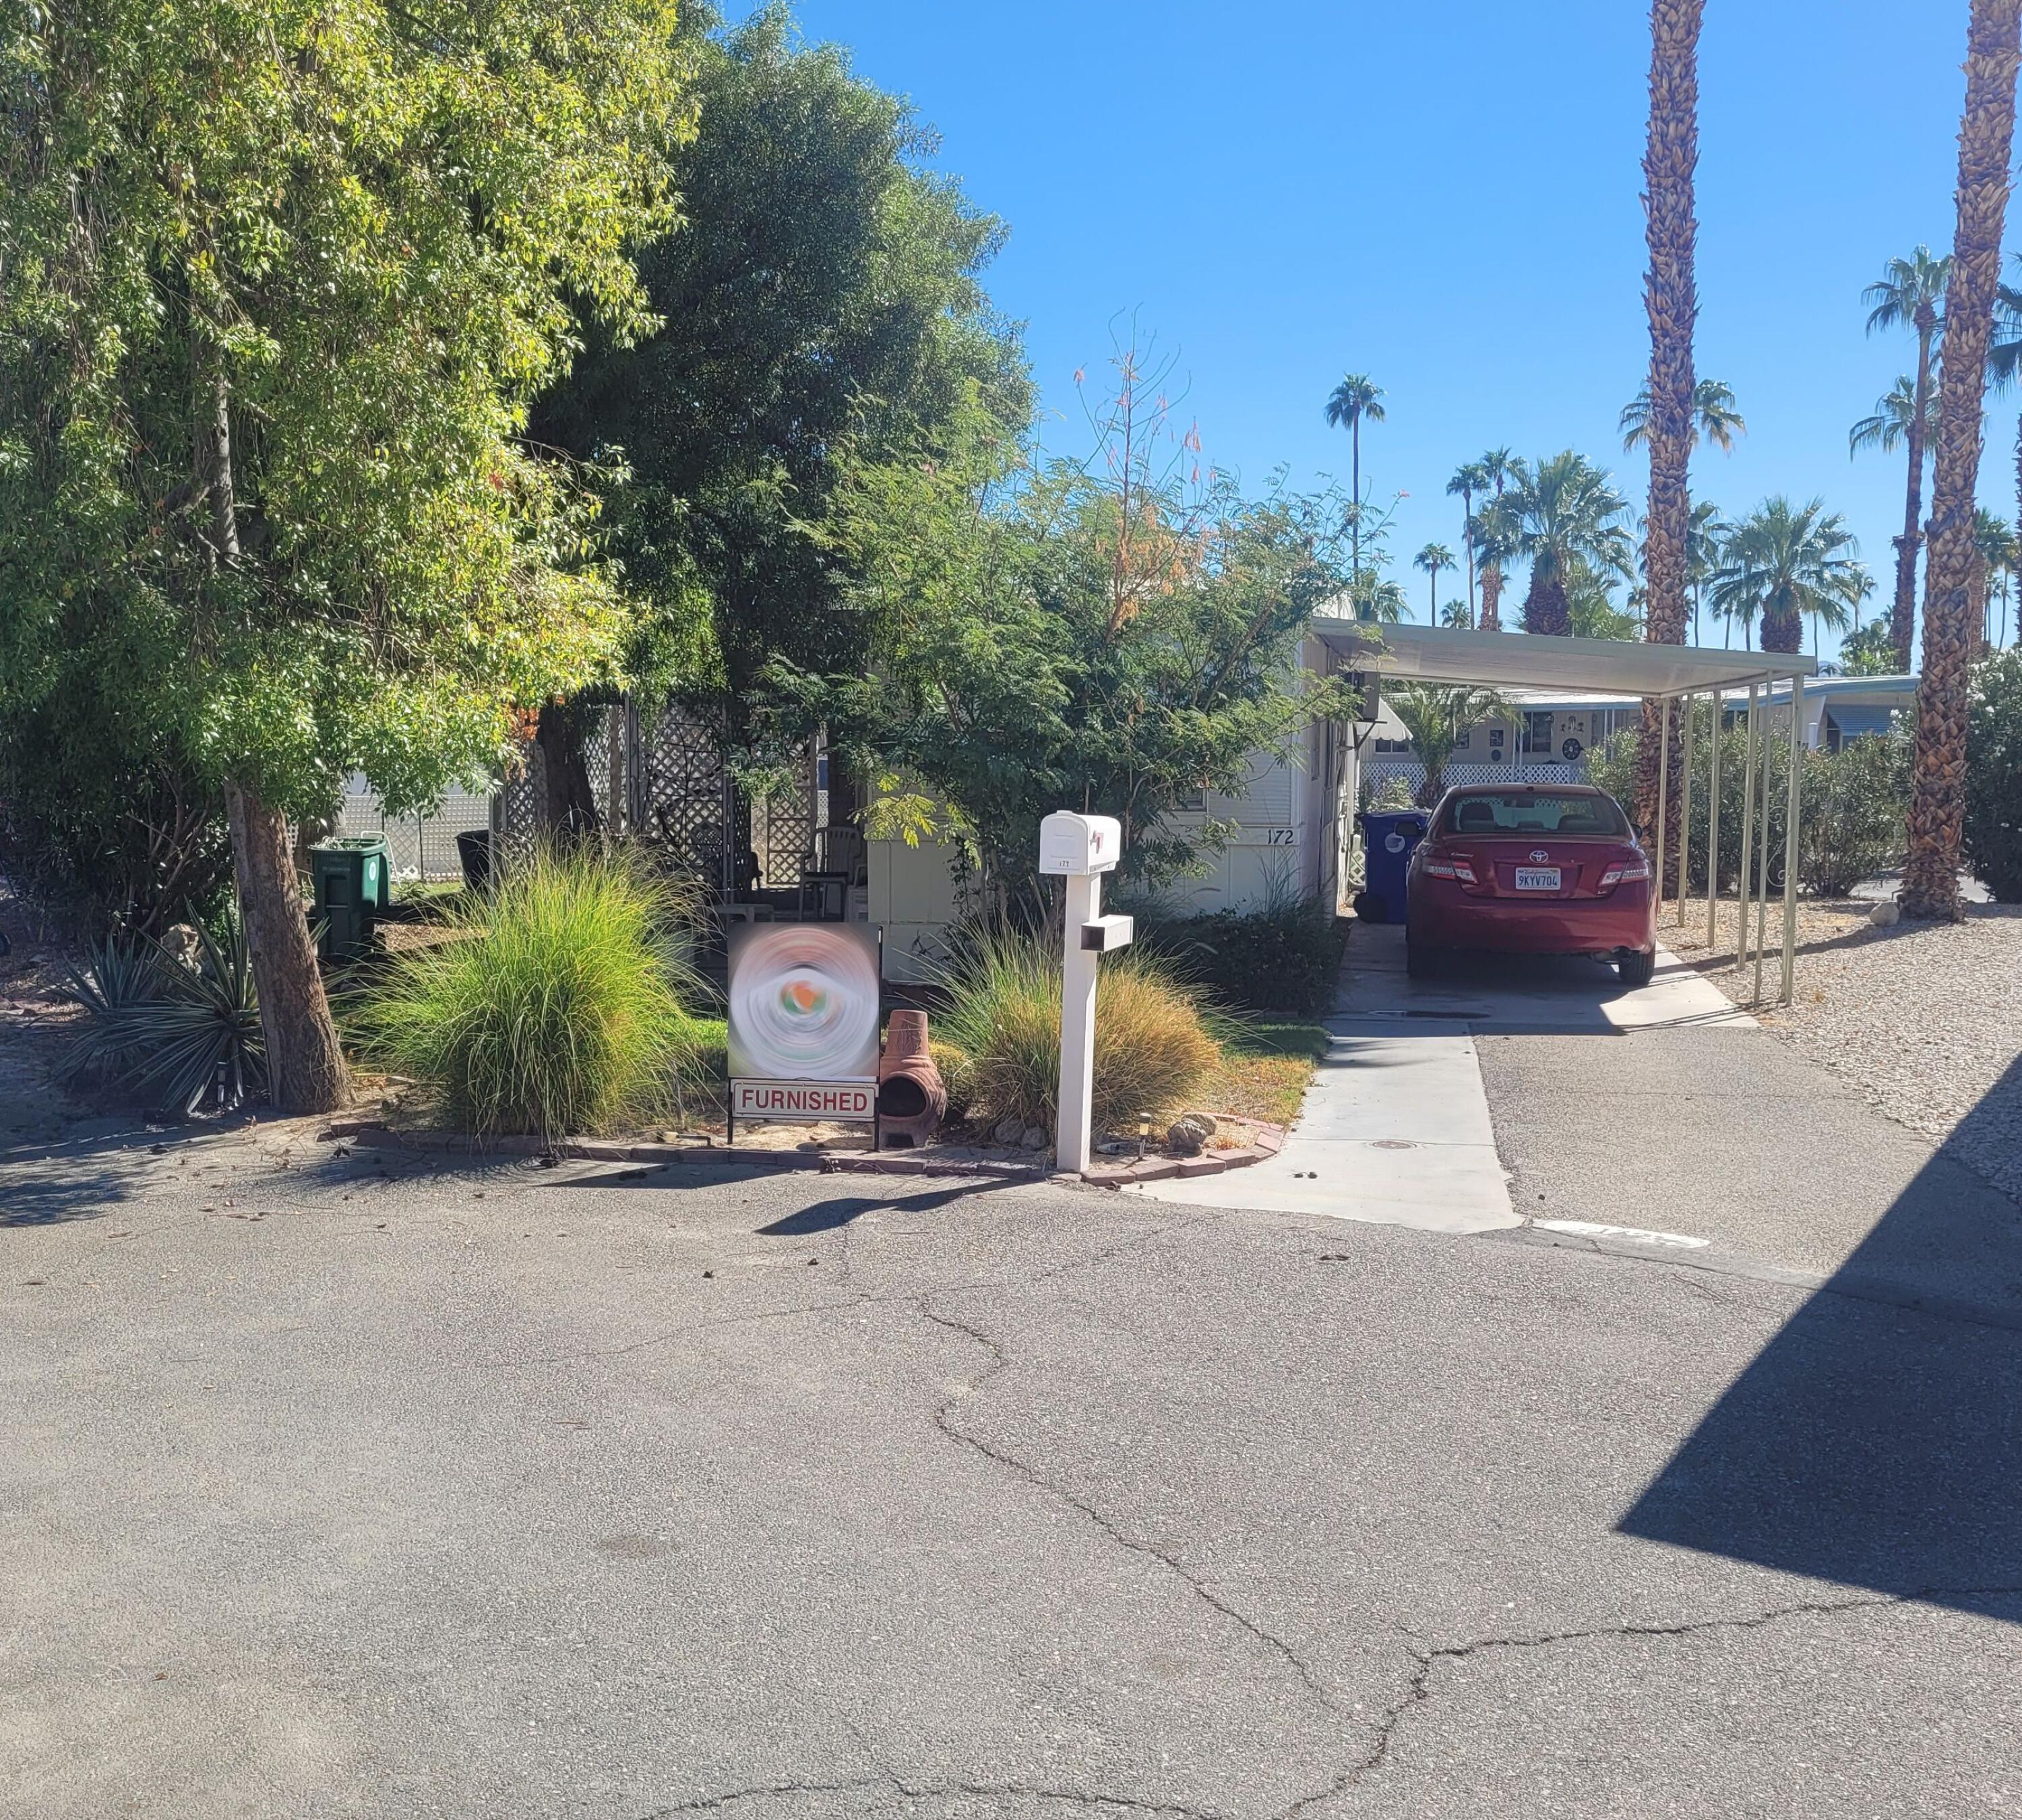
column 1878, row 1446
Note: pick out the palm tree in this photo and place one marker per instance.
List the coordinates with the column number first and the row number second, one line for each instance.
column 1704, row 536
column 1714, row 417
column 1435, row 717
column 1376, row 598
column 1459, row 614
column 1468, row 479
column 1911, row 293
column 1357, row 396
column 1499, row 467
column 1986, row 146
column 1994, row 552
column 1431, row 560
column 2004, row 361
column 1786, row 561
column 1890, row 425
column 1562, row 508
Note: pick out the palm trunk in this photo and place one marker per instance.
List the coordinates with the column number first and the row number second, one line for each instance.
column 1491, row 597
column 1902, row 619
column 1670, row 296
column 1467, row 537
column 1355, row 529
column 1546, row 608
column 1987, row 137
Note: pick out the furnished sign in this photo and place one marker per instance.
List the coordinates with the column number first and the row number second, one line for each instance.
column 803, row 1014
column 804, row 1101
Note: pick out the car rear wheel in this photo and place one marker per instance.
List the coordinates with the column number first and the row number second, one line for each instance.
column 1420, row 963
column 1636, row 970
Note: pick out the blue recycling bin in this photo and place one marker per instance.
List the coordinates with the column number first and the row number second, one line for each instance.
column 1388, row 837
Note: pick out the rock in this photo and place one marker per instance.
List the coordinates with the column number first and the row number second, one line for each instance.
column 1008, row 1131
column 1886, row 914
column 1185, row 1136
column 1205, row 1121
column 1034, row 1138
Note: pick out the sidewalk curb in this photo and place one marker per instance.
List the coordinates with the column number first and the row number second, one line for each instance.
column 1270, row 1139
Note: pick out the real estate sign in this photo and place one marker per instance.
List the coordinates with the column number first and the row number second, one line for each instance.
column 803, row 1006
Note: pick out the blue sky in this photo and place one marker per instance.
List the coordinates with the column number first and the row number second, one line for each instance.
column 1444, row 195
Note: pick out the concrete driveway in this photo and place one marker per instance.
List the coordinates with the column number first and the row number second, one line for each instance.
column 343, row 1486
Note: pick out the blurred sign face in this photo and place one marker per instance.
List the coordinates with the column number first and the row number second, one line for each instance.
column 804, row 1001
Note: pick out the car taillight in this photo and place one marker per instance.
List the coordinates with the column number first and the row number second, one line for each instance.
column 1455, row 867
column 1629, row 871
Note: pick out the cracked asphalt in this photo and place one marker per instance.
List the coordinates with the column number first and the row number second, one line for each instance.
column 357, row 1484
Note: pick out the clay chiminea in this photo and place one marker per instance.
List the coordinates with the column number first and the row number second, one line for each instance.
column 912, row 1098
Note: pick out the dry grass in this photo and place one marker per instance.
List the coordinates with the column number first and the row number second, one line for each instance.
column 1264, row 1070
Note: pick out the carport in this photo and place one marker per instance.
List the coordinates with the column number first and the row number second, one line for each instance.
column 1682, row 674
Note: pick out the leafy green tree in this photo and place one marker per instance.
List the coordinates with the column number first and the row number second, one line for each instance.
column 1871, row 651
column 278, row 281
column 819, row 305
column 1788, row 563
column 1910, row 293
column 1557, row 511
column 1106, row 635
column 1993, row 826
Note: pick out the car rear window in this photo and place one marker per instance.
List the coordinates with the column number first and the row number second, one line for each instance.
column 1528, row 812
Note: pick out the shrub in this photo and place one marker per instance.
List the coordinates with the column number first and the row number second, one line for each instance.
column 175, row 1035
column 1284, row 956
column 556, row 1004
column 1393, row 794
column 1855, row 801
column 958, row 1075
column 1152, row 1046
column 1993, row 776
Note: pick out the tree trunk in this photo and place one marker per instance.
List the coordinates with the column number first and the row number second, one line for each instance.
column 1670, row 296
column 1491, row 597
column 568, row 814
column 1546, row 608
column 305, row 1071
column 1782, row 630
column 1467, row 537
column 1902, row 618
column 1986, row 136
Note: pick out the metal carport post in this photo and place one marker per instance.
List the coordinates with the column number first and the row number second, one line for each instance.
column 1660, row 673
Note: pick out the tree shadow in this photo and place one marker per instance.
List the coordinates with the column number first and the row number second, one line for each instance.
column 1877, row 1440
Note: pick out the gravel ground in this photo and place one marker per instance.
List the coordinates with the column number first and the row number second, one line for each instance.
column 1924, row 1020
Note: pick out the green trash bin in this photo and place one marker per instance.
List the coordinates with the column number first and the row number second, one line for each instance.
column 352, row 883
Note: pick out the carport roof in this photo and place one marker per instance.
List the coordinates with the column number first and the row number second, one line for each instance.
column 1524, row 660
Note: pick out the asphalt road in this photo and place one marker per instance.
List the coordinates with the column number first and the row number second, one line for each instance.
column 358, row 1487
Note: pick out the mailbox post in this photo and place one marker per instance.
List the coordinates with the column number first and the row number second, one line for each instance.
column 1080, row 849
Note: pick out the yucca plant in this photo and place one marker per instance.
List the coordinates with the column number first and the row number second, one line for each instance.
column 1153, row 1046
column 173, row 1034
column 557, row 1004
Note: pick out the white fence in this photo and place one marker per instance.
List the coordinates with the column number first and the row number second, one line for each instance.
column 417, row 846
column 1379, row 770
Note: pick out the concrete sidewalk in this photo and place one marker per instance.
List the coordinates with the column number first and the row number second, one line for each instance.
column 1396, row 1127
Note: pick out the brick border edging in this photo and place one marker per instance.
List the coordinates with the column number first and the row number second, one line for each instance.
column 1270, row 1139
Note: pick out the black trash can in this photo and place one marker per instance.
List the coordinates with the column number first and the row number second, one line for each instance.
column 1388, row 837
column 473, row 849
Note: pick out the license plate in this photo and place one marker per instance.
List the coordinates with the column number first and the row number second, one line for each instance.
column 1536, row 877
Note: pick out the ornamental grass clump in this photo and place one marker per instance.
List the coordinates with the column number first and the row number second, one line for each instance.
column 559, row 1002
column 1153, row 1047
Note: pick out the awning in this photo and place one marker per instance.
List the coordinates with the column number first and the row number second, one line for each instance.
column 1527, row 660
column 1852, row 721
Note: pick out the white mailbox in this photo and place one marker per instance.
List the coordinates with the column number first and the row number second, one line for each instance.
column 1078, row 846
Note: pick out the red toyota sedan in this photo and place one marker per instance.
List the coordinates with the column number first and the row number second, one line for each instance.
column 1531, row 868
